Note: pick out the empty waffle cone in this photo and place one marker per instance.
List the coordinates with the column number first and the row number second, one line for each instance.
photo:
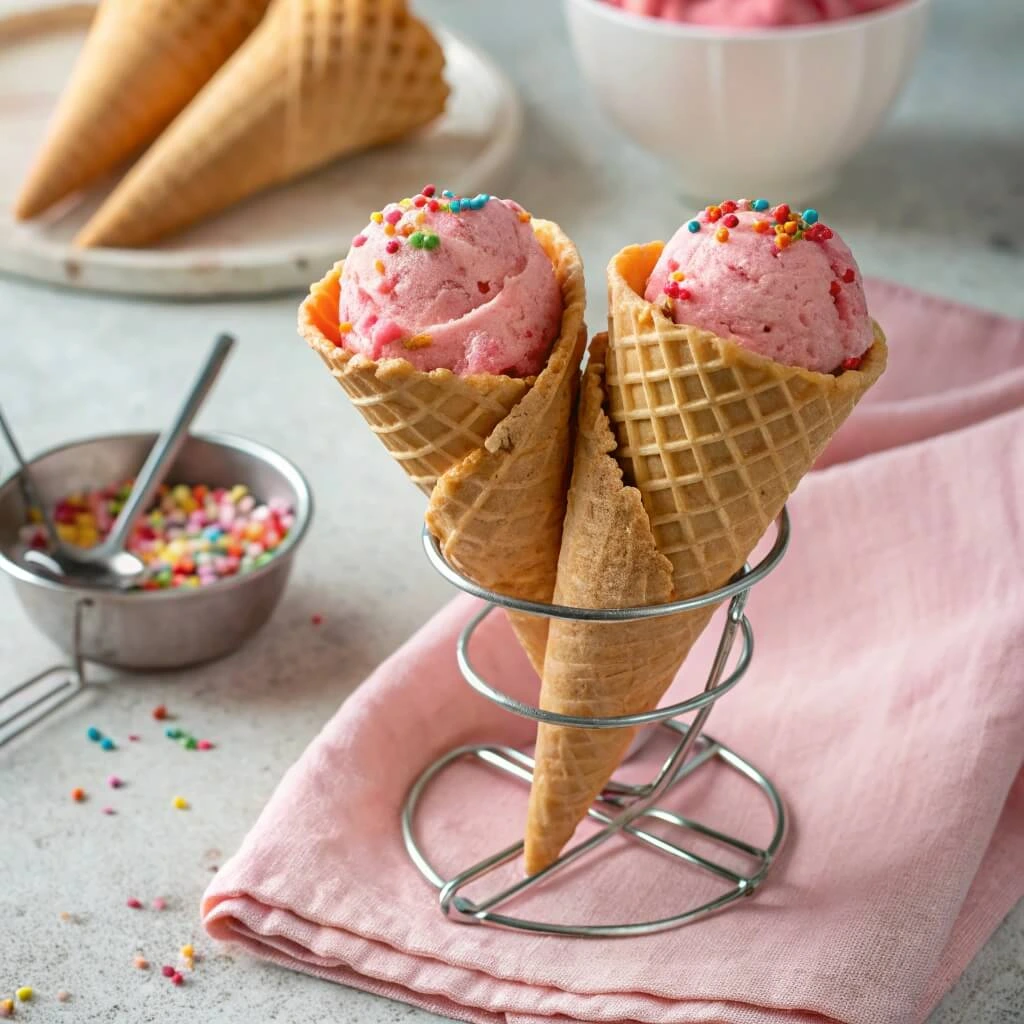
column 317, row 80
column 715, row 438
column 141, row 64
column 491, row 451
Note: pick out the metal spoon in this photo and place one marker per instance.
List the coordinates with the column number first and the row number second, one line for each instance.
column 108, row 564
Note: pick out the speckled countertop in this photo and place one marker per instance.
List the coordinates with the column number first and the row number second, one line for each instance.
column 935, row 201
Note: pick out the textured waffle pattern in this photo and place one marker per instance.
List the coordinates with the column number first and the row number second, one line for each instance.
column 428, row 421
column 608, row 559
column 715, row 437
column 142, row 63
column 317, row 80
column 492, row 451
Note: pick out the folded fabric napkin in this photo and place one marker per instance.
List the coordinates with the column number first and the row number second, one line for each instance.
column 884, row 700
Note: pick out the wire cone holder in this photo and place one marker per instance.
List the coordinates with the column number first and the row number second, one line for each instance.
column 622, row 808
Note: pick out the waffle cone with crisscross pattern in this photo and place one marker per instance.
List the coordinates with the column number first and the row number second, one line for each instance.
column 317, row 80
column 491, row 451
column 141, row 64
column 715, row 438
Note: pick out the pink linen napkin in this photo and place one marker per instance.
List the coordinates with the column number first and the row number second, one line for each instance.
column 885, row 700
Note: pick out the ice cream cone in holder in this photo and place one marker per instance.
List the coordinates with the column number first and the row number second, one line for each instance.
column 491, row 451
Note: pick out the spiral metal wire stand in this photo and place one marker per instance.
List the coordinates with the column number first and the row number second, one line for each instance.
column 622, row 808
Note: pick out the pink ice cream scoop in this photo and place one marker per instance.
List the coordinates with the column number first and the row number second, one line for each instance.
column 449, row 282
column 777, row 281
column 750, row 13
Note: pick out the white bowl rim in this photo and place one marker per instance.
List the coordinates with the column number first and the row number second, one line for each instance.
column 685, row 30
column 287, row 468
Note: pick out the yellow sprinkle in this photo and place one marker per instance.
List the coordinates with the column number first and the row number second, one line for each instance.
column 780, row 229
column 24, row 993
column 379, row 266
column 187, row 951
column 791, row 227
column 421, row 218
column 180, row 803
column 344, row 327
column 67, row 533
column 722, row 234
column 417, row 341
column 389, row 229
column 377, row 217
column 34, row 515
column 524, row 216
column 761, row 226
column 782, row 241
column 678, row 276
column 405, row 204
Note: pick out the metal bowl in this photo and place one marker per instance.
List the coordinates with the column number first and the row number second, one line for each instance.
column 157, row 629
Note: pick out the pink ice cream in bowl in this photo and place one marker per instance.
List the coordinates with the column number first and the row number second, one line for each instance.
column 738, row 96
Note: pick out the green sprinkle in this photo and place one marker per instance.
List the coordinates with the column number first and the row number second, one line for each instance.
column 416, row 239
column 189, row 743
column 431, row 242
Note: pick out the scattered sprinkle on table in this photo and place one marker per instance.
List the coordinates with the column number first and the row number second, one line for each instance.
column 6, row 1007
column 204, row 745
column 108, row 744
column 115, row 782
column 172, row 732
column 133, row 738
column 167, row 971
column 66, row 917
column 24, row 993
column 180, row 803
column 141, row 963
column 317, row 619
column 160, row 712
column 62, row 996
column 78, row 794
column 133, row 902
column 159, row 903
column 177, row 978
column 94, row 734
column 109, row 810
column 194, row 535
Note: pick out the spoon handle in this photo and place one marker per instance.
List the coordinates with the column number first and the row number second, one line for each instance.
column 28, row 486
column 167, row 446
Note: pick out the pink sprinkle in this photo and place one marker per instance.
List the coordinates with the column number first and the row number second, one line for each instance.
column 177, row 978
column 358, row 241
column 114, row 782
column 62, row 996
column 159, row 903
column 673, row 265
column 393, row 216
column 167, row 971
column 204, row 745
column 134, row 903
column 134, row 738
column 109, row 810
column 393, row 246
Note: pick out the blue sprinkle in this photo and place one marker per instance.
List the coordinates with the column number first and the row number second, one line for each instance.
column 760, row 205
column 479, row 202
column 693, row 226
column 172, row 733
column 811, row 216
column 107, row 743
column 448, row 194
column 213, row 533
column 94, row 734
column 455, row 206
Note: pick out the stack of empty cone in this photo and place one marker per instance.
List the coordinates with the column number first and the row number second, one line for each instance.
column 141, row 65
column 316, row 80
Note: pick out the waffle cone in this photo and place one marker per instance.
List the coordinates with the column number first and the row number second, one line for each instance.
column 317, row 80
column 714, row 438
column 492, row 452
column 141, row 64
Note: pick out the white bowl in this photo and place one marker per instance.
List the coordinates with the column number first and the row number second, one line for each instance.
column 771, row 112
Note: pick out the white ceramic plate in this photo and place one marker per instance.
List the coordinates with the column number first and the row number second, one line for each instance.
column 279, row 241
